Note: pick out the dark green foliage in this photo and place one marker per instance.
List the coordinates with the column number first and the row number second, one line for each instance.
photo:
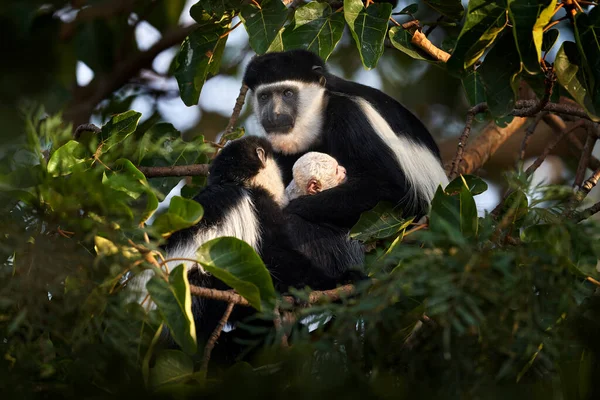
column 509, row 299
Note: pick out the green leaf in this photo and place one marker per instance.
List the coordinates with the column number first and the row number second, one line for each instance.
column 381, row 222
column 550, row 38
column 474, row 88
column 518, row 206
column 200, row 56
column 451, row 212
column 452, row 9
column 125, row 167
column 23, row 177
column 587, row 35
column 182, row 213
column 528, row 18
column 499, row 73
column 485, row 20
column 216, row 7
column 277, row 44
column 571, row 76
column 236, row 264
column 235, row 134
column 263, row 23
column 165, row 14
column 66, row 158
column 316, row 28
column 408, row 10
column 118, row 128
column 401, row 39
column 475, row 184
column 171, row 366
column 368, row 27
column 174, row 302
column 555, row 238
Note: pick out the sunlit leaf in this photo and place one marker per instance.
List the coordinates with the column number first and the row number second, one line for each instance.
column 485, row 20
column 200, row 56
column 66, row 158
column 452, row 9
column 381, row 222
column 174, row 302
column 182, row 213
column 118, row 128
column 217, row 7
column 316, row 28
column 528, row 18
column 263, row 23
column 234, row 262
column 368, row 26
column 571, row 76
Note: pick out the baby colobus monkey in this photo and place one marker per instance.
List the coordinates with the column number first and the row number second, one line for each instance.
column 326, row 245
column 313, row 173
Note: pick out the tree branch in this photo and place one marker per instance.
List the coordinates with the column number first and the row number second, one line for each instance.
column 214, row 337
column 419, row 39
column 177, row 170
column 529, row 108
column 462, row 141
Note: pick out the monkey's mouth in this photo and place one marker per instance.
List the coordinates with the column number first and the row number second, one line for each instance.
column 278, row 130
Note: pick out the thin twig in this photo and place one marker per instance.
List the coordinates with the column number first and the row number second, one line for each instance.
column 529, row 108
column 588, row 212
column 558, row 124
column 214, row 337
column 279, row 328
column 420, row 40
column 462, row 141
column 585, row 157
column 536, row 164
column 176, row 170
column 237, row 109
column 528, row 132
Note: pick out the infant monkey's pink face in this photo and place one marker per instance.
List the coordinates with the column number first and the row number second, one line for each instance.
column 340, row 173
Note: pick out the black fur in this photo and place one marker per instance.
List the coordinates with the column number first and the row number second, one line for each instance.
column 347, row 135
column 228, row 184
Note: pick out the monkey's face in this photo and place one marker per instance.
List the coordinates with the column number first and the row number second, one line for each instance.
column 277, row 107
column 291, row 114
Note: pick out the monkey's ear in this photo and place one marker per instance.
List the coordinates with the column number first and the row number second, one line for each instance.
column 261, row 155
column 313, row 186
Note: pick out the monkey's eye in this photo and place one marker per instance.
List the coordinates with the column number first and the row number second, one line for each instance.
column 288, row 93
column 263, row 96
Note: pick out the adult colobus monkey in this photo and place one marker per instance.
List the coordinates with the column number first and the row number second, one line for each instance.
column 388, row 152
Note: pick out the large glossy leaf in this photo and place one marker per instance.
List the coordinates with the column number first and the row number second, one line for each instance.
column 316, row 28
column 401, row 39
column 182, row 213
column 474, row 88
column 485, row 20
column 475, row 184
column 66, row 158
column 368, row 26
column 174, row 302
column 452, row 9
column 235, row 262
column 263, row 23
column 456, row 210
column 118, row 128
column 528, row 18
column 381, row 222
column 171, row 366
column 200, row 56
column 587, row 35
column 570, row 74
column 499, row 73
